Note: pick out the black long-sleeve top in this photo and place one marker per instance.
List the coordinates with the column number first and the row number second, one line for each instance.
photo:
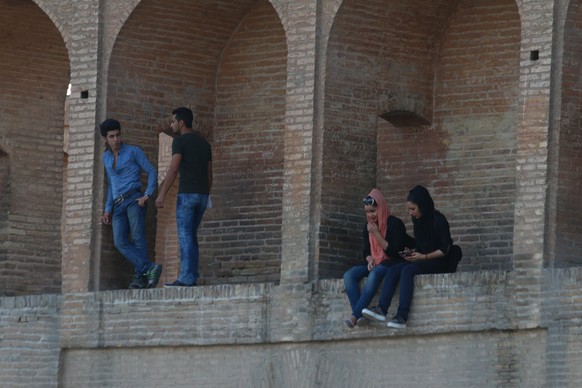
column 395, row 235
column 436, row 235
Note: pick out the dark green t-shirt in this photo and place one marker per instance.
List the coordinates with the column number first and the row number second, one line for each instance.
column 196, row 153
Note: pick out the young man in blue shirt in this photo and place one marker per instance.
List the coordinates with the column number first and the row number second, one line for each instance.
column 126, row 205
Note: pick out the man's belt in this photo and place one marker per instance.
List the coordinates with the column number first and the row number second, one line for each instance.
column 117, row 201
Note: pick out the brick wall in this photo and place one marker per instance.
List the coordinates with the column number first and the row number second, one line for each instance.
column 568, row 246
column 31, row 155
column 460, row 332
column 29, row 341
column 242, row 236
column 514, row 326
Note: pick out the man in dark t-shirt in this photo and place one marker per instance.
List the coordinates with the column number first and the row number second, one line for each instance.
column 192, row 158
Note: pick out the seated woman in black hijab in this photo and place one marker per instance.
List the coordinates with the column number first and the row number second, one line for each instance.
column 428, row 254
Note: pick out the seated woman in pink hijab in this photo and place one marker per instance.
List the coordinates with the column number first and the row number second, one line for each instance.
column 383, row 237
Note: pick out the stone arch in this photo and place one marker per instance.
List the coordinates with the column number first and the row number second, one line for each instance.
column 392, row 60
column 32, row 119
column 226, row 61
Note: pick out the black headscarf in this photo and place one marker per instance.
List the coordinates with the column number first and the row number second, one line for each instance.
column 423, row 227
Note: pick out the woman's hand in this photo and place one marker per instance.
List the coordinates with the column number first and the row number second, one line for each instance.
column 371, row 264
column 373, row 228
column 415, row 256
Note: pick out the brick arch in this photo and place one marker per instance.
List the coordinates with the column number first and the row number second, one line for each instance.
column 281, row 12
column 567, row 233
column 248, row 150
column 186, row 59
column 53, row 14
column 395, row 56
column 34, row 74
column 380, row 58
column 476, row 105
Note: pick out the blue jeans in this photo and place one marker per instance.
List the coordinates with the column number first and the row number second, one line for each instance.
column 352, row 277
column 405, row 273
column 129, row 235
column 189, row 211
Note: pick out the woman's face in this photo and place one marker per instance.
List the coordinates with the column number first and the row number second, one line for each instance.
column 371, row 213
column 413, row 210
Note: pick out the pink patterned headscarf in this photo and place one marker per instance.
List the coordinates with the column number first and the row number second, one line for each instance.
column 378, row 254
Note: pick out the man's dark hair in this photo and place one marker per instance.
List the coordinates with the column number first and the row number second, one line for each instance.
column 185, row 115
column 109, row 125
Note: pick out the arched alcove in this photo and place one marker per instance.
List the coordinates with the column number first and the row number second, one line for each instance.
column 226, row 61
column 425, row 58
column 31, row 118
column 568, row 207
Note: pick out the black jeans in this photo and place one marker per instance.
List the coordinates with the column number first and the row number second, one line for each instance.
column 405, row 273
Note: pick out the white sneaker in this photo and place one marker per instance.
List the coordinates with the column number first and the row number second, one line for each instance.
column 397, row 323
column 375, row 314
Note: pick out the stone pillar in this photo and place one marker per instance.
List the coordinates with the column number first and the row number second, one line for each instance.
column 532, row 160
column 291, row 317
column 82, row 196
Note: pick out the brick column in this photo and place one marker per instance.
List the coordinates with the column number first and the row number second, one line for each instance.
column 82, row 193
column 300, row 25
column 532, row 160
column 291, row 316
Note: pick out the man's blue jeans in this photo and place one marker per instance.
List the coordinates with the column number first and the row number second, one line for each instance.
column 189, row 211
column 129, row 235
column 352, row 277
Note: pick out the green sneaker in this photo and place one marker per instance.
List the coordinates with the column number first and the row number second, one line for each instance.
column 138, row 282
column 153, row 275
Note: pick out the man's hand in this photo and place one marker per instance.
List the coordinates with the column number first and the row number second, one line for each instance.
column 142, row 200
column 106, row 219
column 160, row 201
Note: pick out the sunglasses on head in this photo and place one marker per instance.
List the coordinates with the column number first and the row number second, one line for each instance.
column 369, row 201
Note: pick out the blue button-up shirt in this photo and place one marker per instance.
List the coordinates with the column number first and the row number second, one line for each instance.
column 126, row 175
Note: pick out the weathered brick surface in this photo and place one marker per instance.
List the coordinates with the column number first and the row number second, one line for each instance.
column 567, row 183
column 29, row 341
column 462, row 325
column 31, row 149
column 290, row 94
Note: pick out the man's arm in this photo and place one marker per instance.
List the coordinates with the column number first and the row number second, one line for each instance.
column 171, row 175
column 109, row 201
column 145, row 165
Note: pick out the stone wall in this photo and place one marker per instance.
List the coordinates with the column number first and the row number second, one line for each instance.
column 462, row 332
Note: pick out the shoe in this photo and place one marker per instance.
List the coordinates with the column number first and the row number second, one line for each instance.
column 153, row 275
column 348, row 322
column 178, row 283
column 138, row 282
column 361, row 321
column 375, row 314
column 397, row 323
